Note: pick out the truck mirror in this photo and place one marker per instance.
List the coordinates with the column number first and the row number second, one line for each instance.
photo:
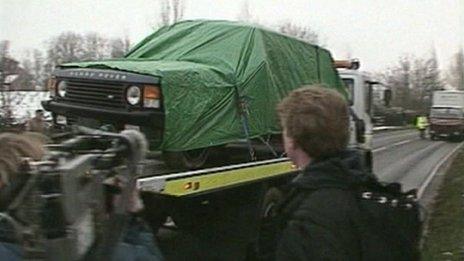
column 360, row 128
column 387, row 95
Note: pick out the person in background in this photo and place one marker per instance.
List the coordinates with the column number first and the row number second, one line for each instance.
column 37, row 123
column 421, row 124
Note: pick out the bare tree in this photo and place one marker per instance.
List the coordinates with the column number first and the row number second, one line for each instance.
column 413, row 81
column 455, row 76
column 33, row 64
column 66, row 47
column 245, row 14
column 304, row 33
column 70, row 46
column 4, row 49
column 432, row 81
column 119, row 47
column 94, row 47
column 8, row 66
column 171, row 11
column 419, row 83
column 26, row 81
column 398, row 79
column 404, row 80
column 38, row 72
column 425, row 79
column 178, row 9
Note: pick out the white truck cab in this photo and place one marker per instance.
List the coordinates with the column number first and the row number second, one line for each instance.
column 447, row 114
column 360, row 89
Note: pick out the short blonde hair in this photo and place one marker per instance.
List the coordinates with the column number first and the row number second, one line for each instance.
column 317, row 118
column 15, row 147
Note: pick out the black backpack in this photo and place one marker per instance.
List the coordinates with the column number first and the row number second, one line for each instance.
column 389, row 221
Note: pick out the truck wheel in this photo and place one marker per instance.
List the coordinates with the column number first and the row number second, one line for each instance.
column 433, row 137
column 190, row 159
column 461, row 136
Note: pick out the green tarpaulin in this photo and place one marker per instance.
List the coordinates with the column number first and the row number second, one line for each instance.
column 207, row 66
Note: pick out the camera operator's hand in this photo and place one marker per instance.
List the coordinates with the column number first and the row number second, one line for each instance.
column 138, row 242
column 114, row 188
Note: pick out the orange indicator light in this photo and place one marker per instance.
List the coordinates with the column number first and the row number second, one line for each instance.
column 151, row 92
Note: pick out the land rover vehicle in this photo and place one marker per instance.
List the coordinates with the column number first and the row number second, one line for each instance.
column 192, row 87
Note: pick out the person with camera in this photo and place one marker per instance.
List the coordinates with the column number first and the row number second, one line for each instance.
column 16, row 150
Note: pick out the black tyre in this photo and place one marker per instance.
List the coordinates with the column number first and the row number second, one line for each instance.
column 422, row 133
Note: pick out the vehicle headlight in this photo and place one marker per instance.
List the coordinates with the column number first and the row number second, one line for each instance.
column 133, row 95
column 61, row 89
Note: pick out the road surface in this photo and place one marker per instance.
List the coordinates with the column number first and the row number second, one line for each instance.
column 403, row 157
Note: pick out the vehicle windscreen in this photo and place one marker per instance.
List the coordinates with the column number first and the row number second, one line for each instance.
column 446, row 112
column 349, row 83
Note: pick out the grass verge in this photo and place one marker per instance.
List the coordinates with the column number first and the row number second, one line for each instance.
column 444, row 238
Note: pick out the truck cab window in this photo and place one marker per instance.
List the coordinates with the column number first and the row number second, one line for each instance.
column 446, row 112
column 349, row 83
column 368, row 96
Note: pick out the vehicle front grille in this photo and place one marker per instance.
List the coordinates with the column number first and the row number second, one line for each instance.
column 71, row 120
column 103, row 93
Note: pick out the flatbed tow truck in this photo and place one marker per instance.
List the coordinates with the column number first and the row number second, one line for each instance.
column 222, row 209
column 228, row 206
column 223, row 200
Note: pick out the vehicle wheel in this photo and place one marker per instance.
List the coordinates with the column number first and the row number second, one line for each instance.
column 190, row 159
column 461, row 137
column 422, row 134
column 433, row 137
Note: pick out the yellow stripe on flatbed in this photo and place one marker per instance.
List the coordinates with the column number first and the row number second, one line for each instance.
column 202, row 183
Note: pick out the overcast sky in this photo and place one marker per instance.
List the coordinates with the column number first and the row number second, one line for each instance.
column 376, row 31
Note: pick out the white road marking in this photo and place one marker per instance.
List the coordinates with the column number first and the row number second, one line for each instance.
column 435, row 170
column 393, row 145
column 393, row 135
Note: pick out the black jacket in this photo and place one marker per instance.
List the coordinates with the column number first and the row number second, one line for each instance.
column 318, row 215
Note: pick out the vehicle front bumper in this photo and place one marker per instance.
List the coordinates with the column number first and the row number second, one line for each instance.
column 153, row 118
column 446, row 129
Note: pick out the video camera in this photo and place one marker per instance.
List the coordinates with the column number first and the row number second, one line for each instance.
column 61, row 211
